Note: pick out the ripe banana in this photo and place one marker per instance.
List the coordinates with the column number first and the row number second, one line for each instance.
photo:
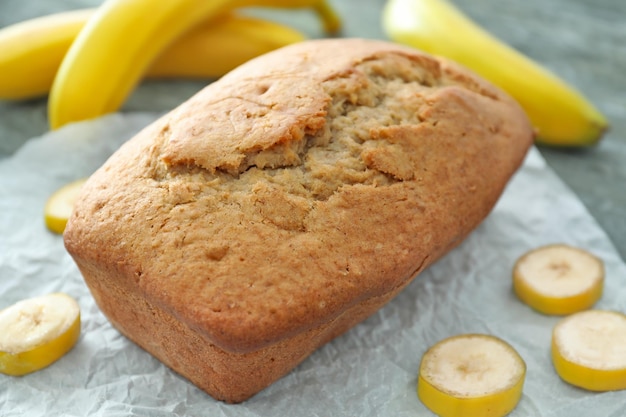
column 33, row 50
column 36, row 332
column 558, row 279
column 213, row 49
column 559, row 113
column 471, row 375
column 120, row 41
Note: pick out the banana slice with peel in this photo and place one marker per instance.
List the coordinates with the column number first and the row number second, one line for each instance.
column 119, row 43
column 561, row 115
column 34, row 49
column 36, row 332
column 471, row 375
column 558, row 279
column 589, row 350
column 60, row 204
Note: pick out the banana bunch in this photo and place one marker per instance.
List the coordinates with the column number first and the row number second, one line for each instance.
column 90, row 60
column 561, row 115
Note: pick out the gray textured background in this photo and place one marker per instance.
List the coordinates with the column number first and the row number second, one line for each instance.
column 584, row 41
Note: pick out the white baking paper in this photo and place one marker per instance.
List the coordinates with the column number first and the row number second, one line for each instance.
column 370, row 371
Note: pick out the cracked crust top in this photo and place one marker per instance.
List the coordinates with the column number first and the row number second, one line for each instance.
column 302, row 183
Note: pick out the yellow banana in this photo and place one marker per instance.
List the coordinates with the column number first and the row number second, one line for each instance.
column 120, row 41
column 559, row 113
column 211, row 50
column 33, row 50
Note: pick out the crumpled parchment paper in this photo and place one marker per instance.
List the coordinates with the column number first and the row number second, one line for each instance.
column 369, row 371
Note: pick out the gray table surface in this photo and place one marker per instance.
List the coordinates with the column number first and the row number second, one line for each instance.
column 584, row 41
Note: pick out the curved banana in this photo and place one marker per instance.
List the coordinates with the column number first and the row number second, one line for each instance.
column 33, row 50
column 559, row 113
column 212, row 50
column 117, row 45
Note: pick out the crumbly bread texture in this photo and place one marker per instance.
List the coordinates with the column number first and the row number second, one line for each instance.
column 288, row 201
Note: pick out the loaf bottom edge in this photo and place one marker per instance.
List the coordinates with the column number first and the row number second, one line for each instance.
column 231, row 377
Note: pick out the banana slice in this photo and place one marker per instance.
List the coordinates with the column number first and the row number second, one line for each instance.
column 471, row 375
column 60, row 205
column 589, row 350
column 36, row 332
column 558, row 279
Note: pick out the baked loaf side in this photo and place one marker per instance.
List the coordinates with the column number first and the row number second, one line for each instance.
column 288, row 201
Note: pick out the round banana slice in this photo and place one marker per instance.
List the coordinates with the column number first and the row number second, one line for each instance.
column 60, row 205
column 558, row 279
column 589, row 350
column 471, row 375
column 36, row 332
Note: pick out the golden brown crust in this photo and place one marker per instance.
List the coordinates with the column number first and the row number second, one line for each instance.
column 305, row 186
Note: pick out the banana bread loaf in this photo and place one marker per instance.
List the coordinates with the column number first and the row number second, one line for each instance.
column 288, row 201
